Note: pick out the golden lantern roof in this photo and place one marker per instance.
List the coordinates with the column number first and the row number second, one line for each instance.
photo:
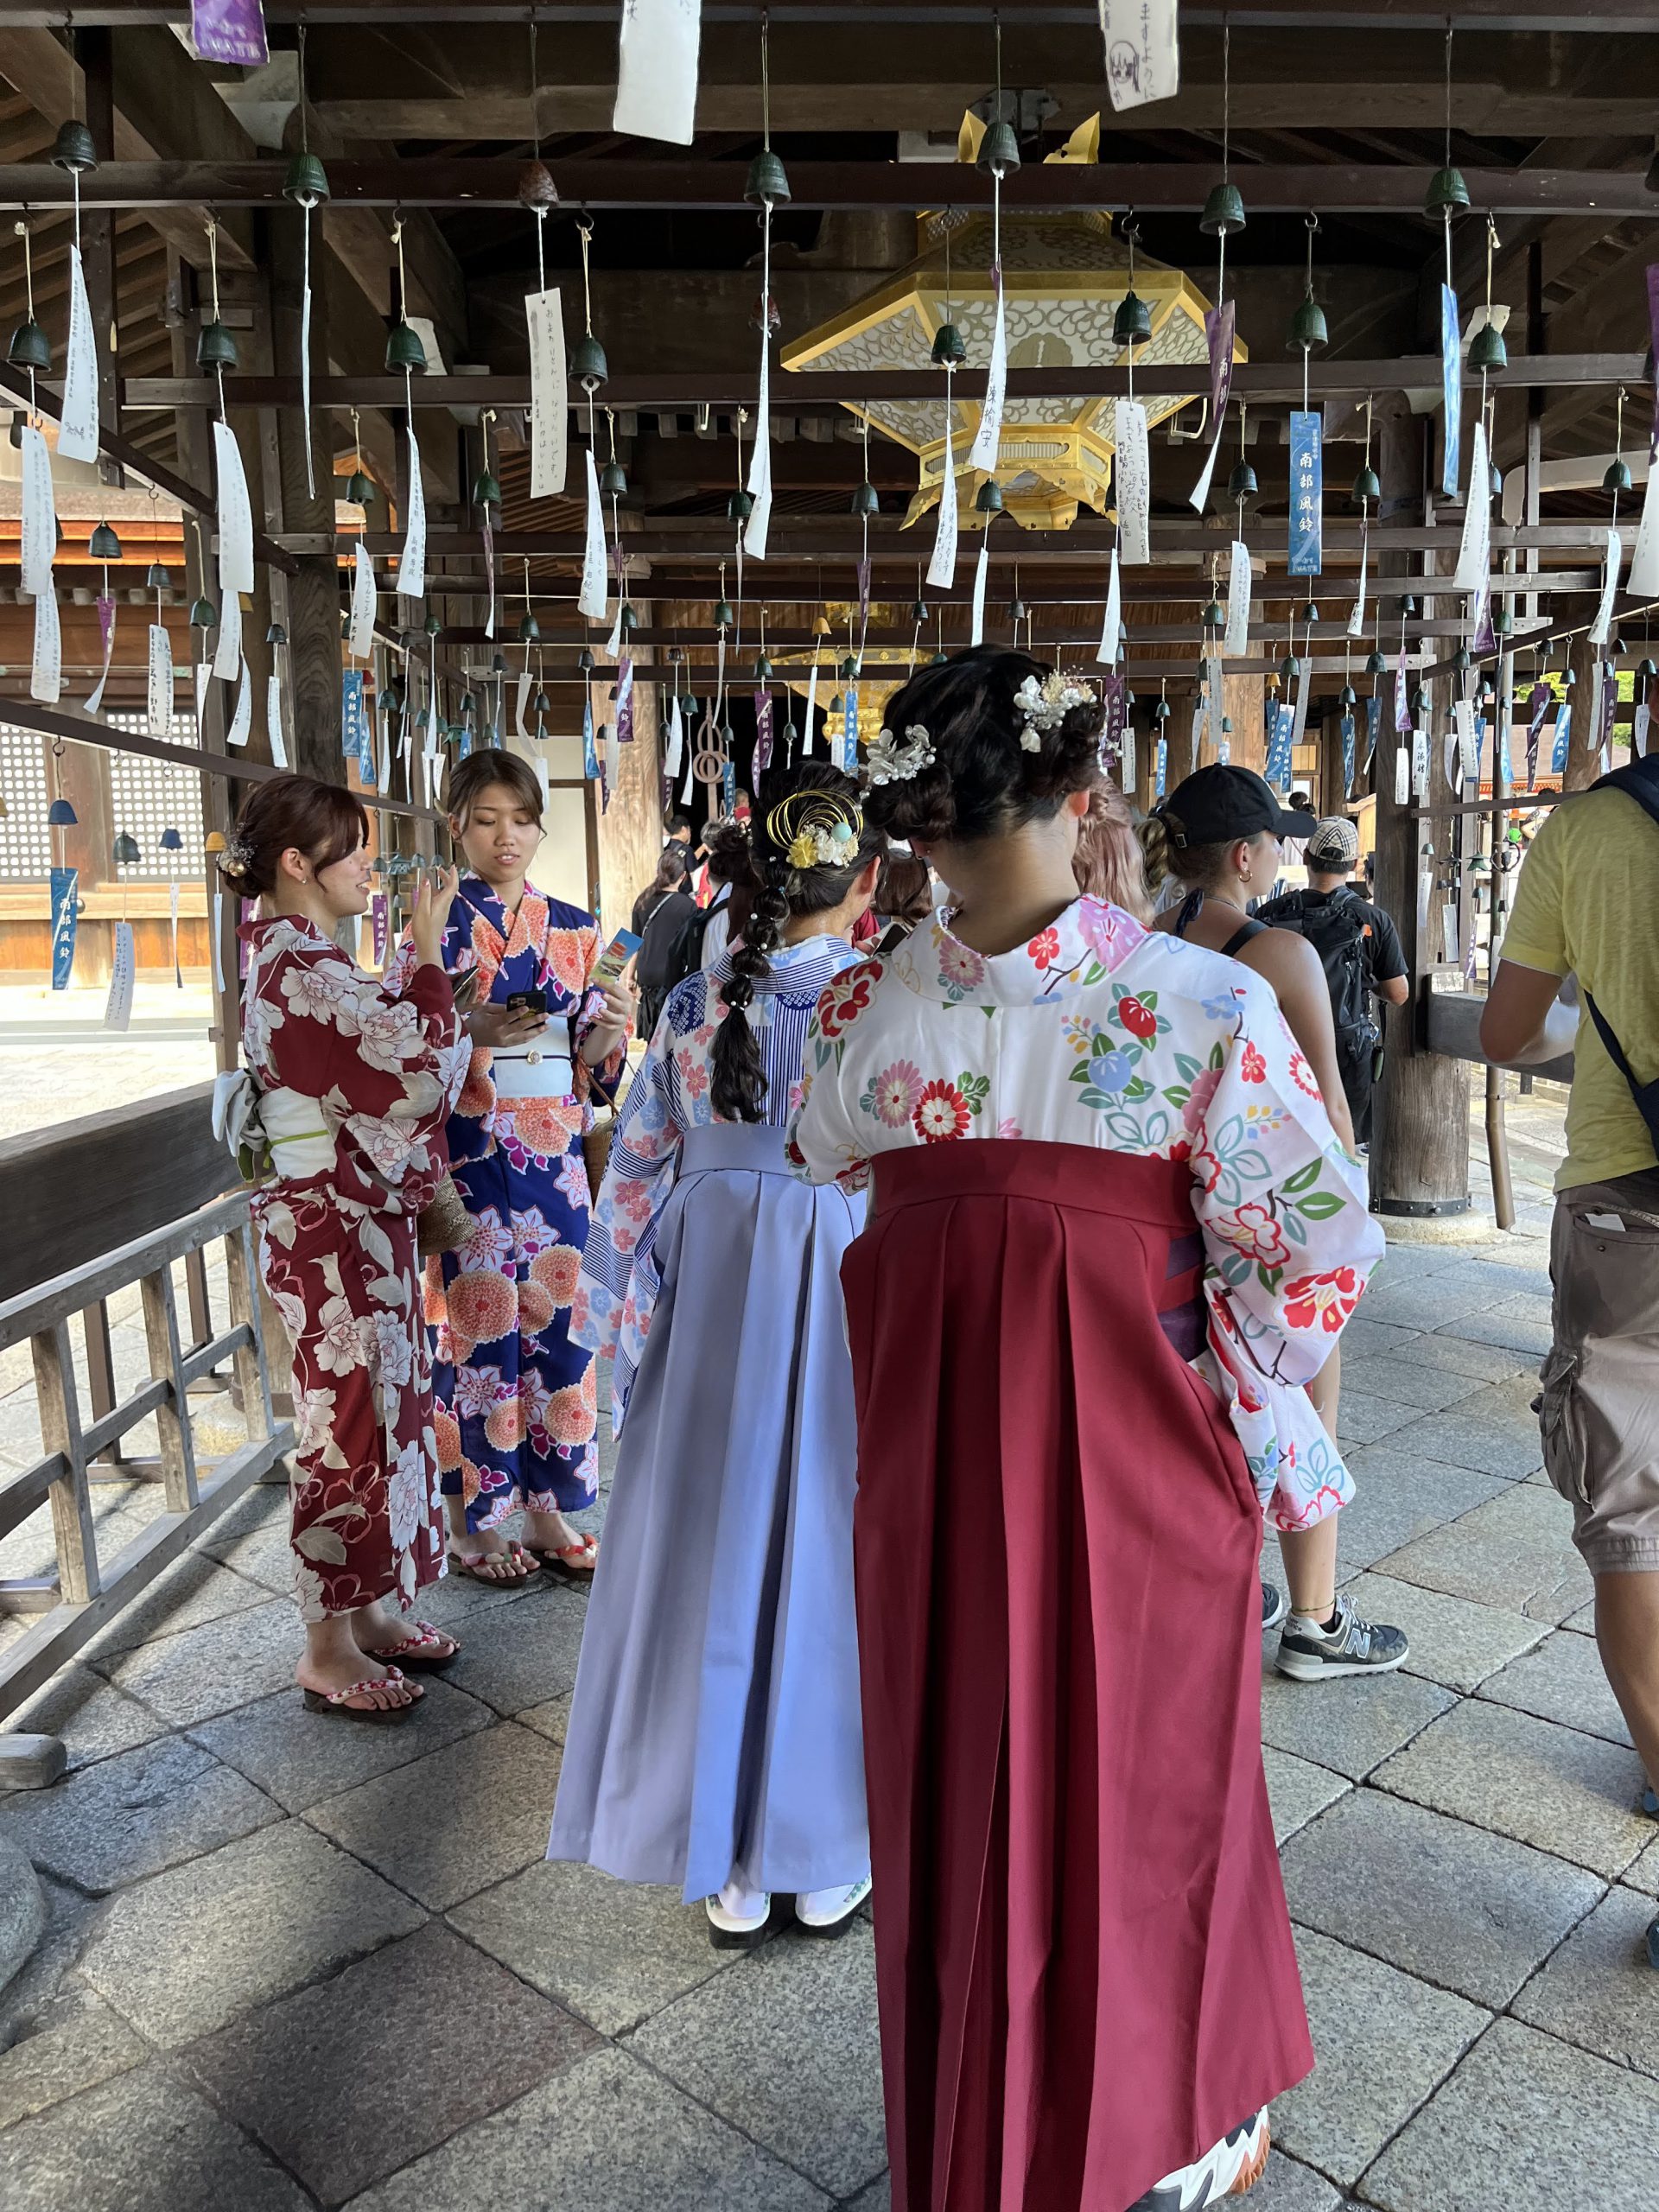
column 1063, row 276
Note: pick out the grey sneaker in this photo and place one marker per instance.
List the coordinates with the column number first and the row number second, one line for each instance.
column 1227, row 2168
column 1274, row 1606
column 1353, row 1647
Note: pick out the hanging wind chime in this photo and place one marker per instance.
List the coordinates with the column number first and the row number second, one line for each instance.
column 307, row 186
column 216, row 349
column 544, row 316
column 766, row 187
column 948, row 353
column 406, row 356
column 65, row 904
column 590, row 369
column 30, row 351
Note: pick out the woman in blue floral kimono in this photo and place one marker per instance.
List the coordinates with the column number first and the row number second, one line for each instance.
column 516, row 1411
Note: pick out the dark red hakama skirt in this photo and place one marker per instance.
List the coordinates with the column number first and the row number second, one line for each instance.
column 1084, row 1962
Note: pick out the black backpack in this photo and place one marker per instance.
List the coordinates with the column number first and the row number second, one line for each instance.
column 672, row 950
column 1639, row 781
column 1336, row 929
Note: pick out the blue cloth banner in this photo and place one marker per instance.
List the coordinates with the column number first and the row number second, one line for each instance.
column 1451, row 391
column 63, row 925
column 1563, row 739
column 1307, row 493
column 589, row 750
column 1347, row 750
column 1501, row 749
column 849, row 761
column 356, row 738
column 1279, row 742
column 728, row 786
column 1373, row 726
column 1161, row 772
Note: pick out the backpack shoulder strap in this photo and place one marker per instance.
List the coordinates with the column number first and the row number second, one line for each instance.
column 1638, row 781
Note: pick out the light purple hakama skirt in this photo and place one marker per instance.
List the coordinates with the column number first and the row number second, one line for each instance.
column 715, row 1733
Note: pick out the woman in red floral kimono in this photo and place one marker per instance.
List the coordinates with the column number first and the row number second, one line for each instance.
column 354, row 1082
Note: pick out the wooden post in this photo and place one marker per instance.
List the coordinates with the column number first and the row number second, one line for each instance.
column 1419, row 1153
column 172, row 1415
column 72, row 1511
column 313, row 595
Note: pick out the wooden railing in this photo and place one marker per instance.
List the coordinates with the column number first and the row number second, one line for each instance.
column 86, row 1594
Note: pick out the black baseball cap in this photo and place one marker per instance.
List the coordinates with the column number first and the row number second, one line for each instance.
column 1219, row 803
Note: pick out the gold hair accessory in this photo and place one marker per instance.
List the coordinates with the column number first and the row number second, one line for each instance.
column 815, row 829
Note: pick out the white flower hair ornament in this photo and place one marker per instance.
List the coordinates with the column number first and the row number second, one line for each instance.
column 895, row 759
column 1041, row 706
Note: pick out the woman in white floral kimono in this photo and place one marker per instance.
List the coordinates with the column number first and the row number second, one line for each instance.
column 355, row 1083
column 1113, row 1235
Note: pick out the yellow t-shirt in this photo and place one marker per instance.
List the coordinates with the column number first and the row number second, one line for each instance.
column 1586, row 903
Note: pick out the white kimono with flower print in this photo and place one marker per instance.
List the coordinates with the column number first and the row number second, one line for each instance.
column 1101, row 1032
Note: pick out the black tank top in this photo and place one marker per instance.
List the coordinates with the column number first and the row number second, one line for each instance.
column 1193, row 904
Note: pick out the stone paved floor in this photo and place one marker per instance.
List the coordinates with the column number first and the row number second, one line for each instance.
column 296, row 1965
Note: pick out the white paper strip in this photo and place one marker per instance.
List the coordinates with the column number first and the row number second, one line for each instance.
column 411, row 567
column 759, row 522
column 1593, row 738
column 361, row 639
column 1236, row 638
column 235, row 514
column 40, row 530
column 78, row 425
column 1463, row 714
column 1419, row 763
column 1645, row 558
column 173, row 919
column 242, row 713
column 383, row 761
column 1402, row 775
column 988, row 441
column 1300, row 723
column 95, row 698
column 1602, row 628
column 811, row 706
column 1134, row 485
column 1474, row 548
column 1200, row 493
column 274, row 720
column 305, row 362
column 657, row 70
column 1143, row 53
column 204, row 672
column 977, row 633
column 941, row 569
column 1111, row 626
column 217, row 935
column 591, row 600
column 520, row 701
column 158, row 719
column 45, row 672
column 676, row 744
column 612, row 757
column 227, row 652
column 1356, row 619
column 548, row 404
column 613, row 643
column 117, row 1009
column 1126, row 763
column 542, row 782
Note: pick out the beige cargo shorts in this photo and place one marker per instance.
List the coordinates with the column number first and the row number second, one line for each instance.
column 1600, row 1411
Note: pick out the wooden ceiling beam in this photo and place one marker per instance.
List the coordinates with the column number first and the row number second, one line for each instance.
column 483, row 181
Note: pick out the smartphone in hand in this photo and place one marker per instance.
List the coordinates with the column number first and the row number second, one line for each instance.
column 533, row 1001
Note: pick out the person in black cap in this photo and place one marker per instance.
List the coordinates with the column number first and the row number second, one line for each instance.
column 1217, row 835
column 1359, row 949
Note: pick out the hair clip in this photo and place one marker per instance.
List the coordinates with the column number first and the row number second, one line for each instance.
column 238, row 854
column 1040, row 706
column 895, row 759
column 816, row 846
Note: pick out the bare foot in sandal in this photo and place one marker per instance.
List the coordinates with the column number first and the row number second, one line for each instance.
column 488, row 1556
column 563, row 1551
column 400, row 1640
column 337, row 1672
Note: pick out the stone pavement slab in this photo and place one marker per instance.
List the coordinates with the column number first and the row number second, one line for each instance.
column 189, row 1950
column 1298, row 1790
column 1425, row 1303
column 1515, row 1324
column 1406, row 1381
column 1598, row 1990
column 1495, row 1431
column 550, row 1719
column 1526, row 2121
column 78, row 2042
column 513, row 1658
column 133, row 1815
column 787, row 2051
column 349, row 2081
column 1385, row 2043
column 1460, row 1908
column 606, row 2133
column 1562, row 1680
column 1364, row 1418
column 140, row 2143
column 614, row 1952
column 187, row 1594
column 455, row 1821
column 1351, row 1724
column 1288, row 2186
column 1400, row 1496
column 1452, row 1642
column 89, row 1715
column 878, row 2197
column 301, row 1758
column 1550, row 1787
column 1644, row 1875
column 215, row 1668
column 1515, row 1551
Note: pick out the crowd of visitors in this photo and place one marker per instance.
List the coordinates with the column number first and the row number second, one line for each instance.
column 965, row 1284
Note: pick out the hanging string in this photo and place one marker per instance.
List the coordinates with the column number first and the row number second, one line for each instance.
column 1226, row 150
column 539, row 211
column 212, row 264
column 21, row 227
column 1446, row 212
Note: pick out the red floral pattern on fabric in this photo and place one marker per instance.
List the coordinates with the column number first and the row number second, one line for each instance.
column 1323, row 1302
column 941, row 1113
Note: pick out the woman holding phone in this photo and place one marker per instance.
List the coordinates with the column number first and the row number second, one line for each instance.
column 517, row 1409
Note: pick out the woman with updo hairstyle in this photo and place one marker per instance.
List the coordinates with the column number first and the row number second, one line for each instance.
column 343, row 1107
column 715, row 1741
column 1112, row 1234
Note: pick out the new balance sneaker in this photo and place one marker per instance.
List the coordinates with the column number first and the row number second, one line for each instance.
column 738, row 1918
column 1311, row 1652
column 1228, row 2168
column 830, row 1912
column 1274, row 1606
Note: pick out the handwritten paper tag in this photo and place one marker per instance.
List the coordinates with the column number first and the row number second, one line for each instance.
column 40, row 530
column 941, row 569
column 45, row 672
column 988, row 440
column 1474, row 548
column 1134, row 485
column 227, row 652
column 657, row 70
column 274, row 720
column 242, row 713
column 1236, row 636
column 1602, row 628
column 106, row 632
column 235, row 514
column 977, row 632
column 591, row 599
column 548, row 410
column 1356, row 619
column 361, row 640
column 1143, row 51
column 158, row 718
column 78, row 425
column 1644, row 557
column 759, row 522
column 1111, row 627
column 411, row 566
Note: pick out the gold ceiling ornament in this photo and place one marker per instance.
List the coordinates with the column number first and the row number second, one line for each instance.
column 1064, row 275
